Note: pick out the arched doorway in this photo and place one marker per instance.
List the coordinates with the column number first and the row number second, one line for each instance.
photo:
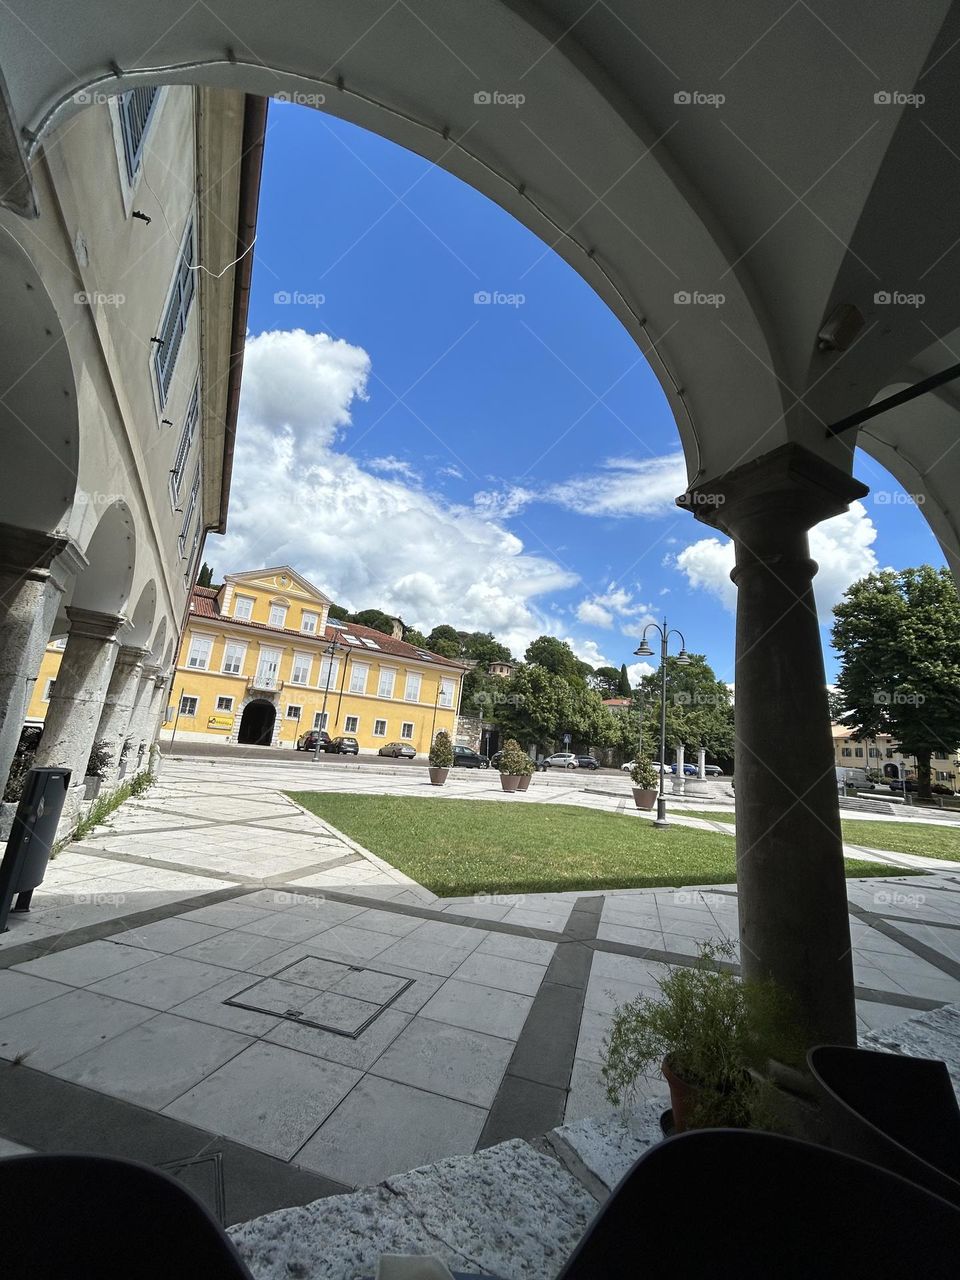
column 256, row 724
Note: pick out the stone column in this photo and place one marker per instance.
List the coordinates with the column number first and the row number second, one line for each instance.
column 76, row 703
column 794, row 926
column 141, row 716
column 34, row 569
column 679, row 778
column 701, row 763
column 117, row 715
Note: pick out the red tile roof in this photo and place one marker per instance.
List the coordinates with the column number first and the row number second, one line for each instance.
column 205, row 604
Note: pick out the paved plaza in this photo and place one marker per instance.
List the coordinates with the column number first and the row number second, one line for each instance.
column 220, row 983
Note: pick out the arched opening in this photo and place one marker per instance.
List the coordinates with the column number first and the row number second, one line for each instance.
column 256, row 724
column 104, row 585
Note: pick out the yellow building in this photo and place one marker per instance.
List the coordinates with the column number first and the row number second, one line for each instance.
column 260, row 663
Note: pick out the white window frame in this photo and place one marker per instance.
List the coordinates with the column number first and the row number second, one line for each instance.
column 379, row 733
column 294, row 710
column 347, row 728
column 199, row 641
column 361, row 669
column 447, row 686
column 224, row 697
column 312, row 614
column 415, row 679
column 187, row 435
column 172, row 325
column 132, row 150
column 234, row 644
column 186, row 698
column 239, row 600
column 387, row 674
column 406, row 730
column 301, row 658
column 188, row 511
column 320, row 720
column 51, row 681
column 283, row 610
column 327, row 663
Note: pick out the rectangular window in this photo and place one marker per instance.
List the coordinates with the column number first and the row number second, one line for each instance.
column 174, row 321
column 293, row 711
column 406, row 729
column 278, row 615
column 358, row 677
column 846, row 751
column 189, row 508
column 188, row 705
column 351, row 724
column 135, row 109
column 243, row 608
column 328, row 672
column 300, row 673
column 446, row 692
column 387, row 678
column 48, row 690
column 320, row 719
column 186, row 443
column 199, row 656
column 308, row 622
column 859, row 752
column 224, row 703
column 379, row 728
column 412, row 692
column 233, row 656
column 874, row 753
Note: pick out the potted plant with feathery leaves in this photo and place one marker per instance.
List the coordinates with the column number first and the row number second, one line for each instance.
column 513, row 765
column 528, row 768
column 440, row 758
column 712, row 1034
column 97, row 764
column 645, row 780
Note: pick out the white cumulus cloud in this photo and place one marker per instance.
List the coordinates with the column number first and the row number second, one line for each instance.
column 842, row 546
column 365, row 538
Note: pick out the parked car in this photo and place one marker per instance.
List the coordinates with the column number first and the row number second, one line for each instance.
column 713, row 771
column 466, row 758
column 397, row 749
column 857, row 778
column 628, row 765
column 560, row 760
column 587, row 762
column 689, row 770
column 343, row 746
column 308, row 741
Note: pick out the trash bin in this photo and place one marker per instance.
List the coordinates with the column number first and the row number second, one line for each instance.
column 31, row 838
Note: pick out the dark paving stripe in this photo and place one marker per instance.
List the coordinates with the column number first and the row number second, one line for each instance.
column 921, row 949
column 185, row 868
column 533, row 1093
column 54, row 1115
column 24, row 951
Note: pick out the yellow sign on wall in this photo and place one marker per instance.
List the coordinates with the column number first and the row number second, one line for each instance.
column 220, row 722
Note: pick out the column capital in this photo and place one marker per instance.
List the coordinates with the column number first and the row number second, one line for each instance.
column 789, row 488
column 93, row 625
column 31, row 552
column 151, row 671
column 162, row 678
column 129, row 655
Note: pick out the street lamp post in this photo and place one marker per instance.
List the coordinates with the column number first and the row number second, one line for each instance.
column 323, row 710
column 683, row 659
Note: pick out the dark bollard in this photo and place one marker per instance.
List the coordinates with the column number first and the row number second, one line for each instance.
column 31, row 838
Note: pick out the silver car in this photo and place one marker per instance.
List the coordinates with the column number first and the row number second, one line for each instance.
column 561, row 760
column 397, row 749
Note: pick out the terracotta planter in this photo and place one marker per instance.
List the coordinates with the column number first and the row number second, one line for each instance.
column 683, row 1097
column 644, row 798
column 524, row 782
column 438, row 776
column 510, row 781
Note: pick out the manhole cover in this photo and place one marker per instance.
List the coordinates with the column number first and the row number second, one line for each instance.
column 327, row 994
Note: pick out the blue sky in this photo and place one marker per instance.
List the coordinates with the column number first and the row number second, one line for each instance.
column 505, row 466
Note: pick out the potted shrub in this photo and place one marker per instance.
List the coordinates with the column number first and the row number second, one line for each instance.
column 645, row 782
column 96, row 770
column 711, row 1034
column 528, row 768
column 441, row 758
column 512, row 764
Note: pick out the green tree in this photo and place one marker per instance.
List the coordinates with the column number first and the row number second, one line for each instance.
column 374, row 618
column 415, row 637
column 699, row 712
column 338, row 612
column 557, row 657
column 898, row 636
column 624, row 689
column 607, row 682
column 445, row 641
column 481, row 647
column 205, row 576
column 537, row 707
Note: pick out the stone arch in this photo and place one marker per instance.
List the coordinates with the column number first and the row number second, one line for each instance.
column 103, row 586
column 141, row 620
column 259, row 722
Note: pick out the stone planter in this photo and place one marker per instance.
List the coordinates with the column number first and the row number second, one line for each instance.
column 644, row 797
column 678, row 784
column 524, row 782
column 91, row 787
column 510, row 781
column 438, row 776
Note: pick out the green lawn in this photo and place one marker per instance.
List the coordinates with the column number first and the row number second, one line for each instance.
column 910, row 836
column 460, row 847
